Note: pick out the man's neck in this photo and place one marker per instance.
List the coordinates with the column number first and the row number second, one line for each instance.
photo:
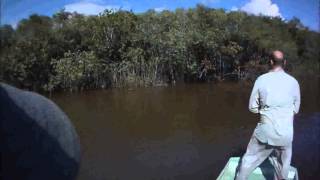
column 276, row 69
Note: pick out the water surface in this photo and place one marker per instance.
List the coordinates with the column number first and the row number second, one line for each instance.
column 180, row 132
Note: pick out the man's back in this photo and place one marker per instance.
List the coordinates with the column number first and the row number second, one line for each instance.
column 276, row 96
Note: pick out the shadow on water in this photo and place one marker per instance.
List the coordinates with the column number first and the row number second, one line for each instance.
column 181, row 132
column 37, row 141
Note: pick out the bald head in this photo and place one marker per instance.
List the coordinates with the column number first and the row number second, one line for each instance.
column 277, row 55
column 277, row 58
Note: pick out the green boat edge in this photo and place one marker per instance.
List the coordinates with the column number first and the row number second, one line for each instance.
column 228, row 172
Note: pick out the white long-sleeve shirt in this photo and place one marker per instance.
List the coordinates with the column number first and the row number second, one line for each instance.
column 276, row 97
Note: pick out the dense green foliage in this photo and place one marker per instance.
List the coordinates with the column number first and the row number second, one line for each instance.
column 73, row 51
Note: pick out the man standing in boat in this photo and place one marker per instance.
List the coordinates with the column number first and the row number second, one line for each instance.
column 276, row 97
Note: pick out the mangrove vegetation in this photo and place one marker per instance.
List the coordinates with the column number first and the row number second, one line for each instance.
column 70, row 51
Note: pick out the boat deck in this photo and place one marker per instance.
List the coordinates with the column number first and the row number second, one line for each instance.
column 264, row 172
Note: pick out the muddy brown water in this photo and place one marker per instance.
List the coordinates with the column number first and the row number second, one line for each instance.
column 186, row 131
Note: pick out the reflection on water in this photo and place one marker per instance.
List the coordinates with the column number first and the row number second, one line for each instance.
column 182, row 132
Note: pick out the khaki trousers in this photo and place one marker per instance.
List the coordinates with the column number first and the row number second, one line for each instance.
column 257, row 152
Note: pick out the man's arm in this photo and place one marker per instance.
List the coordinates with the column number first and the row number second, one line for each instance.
column 296, row 98
column 254, row 98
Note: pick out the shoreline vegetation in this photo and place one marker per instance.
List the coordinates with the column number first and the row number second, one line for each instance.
column 70, row 51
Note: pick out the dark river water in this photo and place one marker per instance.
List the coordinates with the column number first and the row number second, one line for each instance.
column 180, row 132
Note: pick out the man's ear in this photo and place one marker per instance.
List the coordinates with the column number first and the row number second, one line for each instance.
column 285, row 62
column 271, row 62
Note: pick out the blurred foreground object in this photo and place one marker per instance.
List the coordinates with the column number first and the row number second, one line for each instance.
column 38, row 140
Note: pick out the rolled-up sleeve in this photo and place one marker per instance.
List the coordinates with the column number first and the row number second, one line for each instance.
column 296, row 98
column 254, row 98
